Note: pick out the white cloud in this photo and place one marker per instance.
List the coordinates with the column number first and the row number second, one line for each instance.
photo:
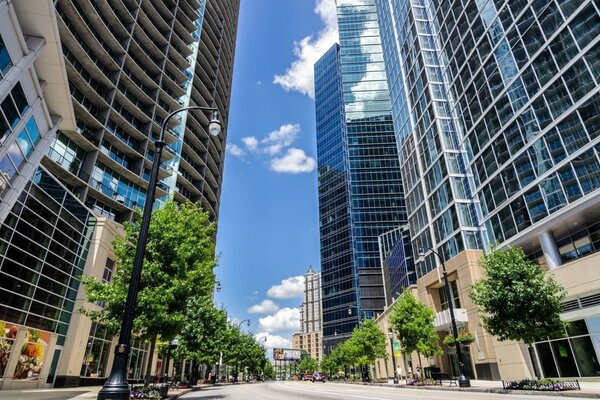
column 289, row 288
column 251, row 143
column 299, row 76
column 272, row 341
column 284, row 320
column 264, row 307
column 283, row 137
column 235, row 150
column 295, row 161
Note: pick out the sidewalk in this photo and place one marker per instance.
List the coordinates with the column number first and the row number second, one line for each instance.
column 589, row 390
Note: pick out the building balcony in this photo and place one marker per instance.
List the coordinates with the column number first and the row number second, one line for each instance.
column 443, row 321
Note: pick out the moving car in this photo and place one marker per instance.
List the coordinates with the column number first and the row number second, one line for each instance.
column 318, row 377
column 307, row 377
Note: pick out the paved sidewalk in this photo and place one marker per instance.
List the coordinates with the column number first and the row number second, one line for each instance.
column 589, row 390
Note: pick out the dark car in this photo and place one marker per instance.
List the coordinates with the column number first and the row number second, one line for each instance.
column 318, row 377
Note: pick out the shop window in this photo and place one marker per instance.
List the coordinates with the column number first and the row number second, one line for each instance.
column 564, row 358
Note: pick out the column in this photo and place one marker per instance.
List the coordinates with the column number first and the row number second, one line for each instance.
column 550, row 250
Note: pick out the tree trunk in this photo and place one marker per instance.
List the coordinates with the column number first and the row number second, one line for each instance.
column 149, row 364
column 420, row 366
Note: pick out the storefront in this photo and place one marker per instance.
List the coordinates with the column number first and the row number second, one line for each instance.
column 574, row 355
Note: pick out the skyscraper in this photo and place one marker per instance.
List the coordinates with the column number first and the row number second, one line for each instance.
column 495, row 105
column 129, row 64
column 360, row 192
column 310, row 337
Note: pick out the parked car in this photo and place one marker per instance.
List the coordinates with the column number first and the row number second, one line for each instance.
column 307, row 377
column 318, row 377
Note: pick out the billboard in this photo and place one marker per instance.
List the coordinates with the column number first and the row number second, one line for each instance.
column 280, row 354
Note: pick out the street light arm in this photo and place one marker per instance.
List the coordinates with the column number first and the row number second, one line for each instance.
column 438, row 256
column 241, row 322
column 179, row 110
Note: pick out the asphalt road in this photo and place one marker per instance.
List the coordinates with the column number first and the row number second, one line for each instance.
column 335, row 391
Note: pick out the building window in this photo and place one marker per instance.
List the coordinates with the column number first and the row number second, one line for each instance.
column 5, row 61
column 96, row 353
column 444, row 298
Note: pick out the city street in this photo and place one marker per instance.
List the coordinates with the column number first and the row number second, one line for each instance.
column 334, row 391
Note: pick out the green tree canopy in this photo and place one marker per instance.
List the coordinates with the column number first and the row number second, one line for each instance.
column 204, row 331
column 307, row 364
column 369, row 342
column 413, row 323
column 518, row 300
column 178, row 264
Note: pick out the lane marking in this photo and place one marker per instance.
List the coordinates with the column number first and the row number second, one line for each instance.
column 408, row 392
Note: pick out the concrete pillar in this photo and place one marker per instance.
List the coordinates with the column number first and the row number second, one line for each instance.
column 550, row 250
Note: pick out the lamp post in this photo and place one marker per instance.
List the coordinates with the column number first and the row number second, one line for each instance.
column 463, row 379
column 237, row 361
column 391, row 336
column 173, row 343
column 116, row 386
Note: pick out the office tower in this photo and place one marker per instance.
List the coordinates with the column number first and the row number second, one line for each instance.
column 397, row 263
column 515, row 88
column 120, row 68
column 360, row 192
column 310, row 336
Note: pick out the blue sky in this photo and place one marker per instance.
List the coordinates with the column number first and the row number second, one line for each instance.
column 268, row 223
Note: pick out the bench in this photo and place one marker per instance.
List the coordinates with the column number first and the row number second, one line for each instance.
column 439, row 377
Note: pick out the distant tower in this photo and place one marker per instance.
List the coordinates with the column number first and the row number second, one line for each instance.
column 309, row 338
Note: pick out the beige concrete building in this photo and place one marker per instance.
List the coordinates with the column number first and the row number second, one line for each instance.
column 489, row 359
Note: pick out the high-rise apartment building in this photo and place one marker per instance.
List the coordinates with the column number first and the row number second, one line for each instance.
column 310, row 337
column 129, row 64
column 495, row 105
column 95, row 110
column 360, row 191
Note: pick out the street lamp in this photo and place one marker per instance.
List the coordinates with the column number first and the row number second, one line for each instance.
column 237, row 362
column 173, row 343
column 391, row 336
column 218, row 286
column 262, row 338
column 463, row 379
column 116, row 386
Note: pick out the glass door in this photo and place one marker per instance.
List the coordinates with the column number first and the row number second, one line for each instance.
column 54, row 366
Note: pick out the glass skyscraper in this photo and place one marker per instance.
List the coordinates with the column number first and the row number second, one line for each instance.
column 496, row 105
column 360, row 191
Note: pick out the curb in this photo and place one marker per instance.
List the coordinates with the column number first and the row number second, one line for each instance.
column 566, row 393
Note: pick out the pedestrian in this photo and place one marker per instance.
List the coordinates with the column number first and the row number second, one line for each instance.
column 410, row 375
column 399, row 373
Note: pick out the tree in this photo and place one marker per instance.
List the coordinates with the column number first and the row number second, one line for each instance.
column 203, row 333
column 413, row 323
column 268, row 371
column 328, row 366
column 307, row 363
column 178, row 264
column 369, row 341
column 518, row 300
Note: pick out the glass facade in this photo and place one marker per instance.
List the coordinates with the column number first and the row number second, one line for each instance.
column 527, row 87
column 360, row 191
column 397, row 262
column 575, row 355
column 438, row 186
column 495, row 105
column 44, row 242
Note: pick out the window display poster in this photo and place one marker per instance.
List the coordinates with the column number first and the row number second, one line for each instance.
column 8, row 333
column 31, row 356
